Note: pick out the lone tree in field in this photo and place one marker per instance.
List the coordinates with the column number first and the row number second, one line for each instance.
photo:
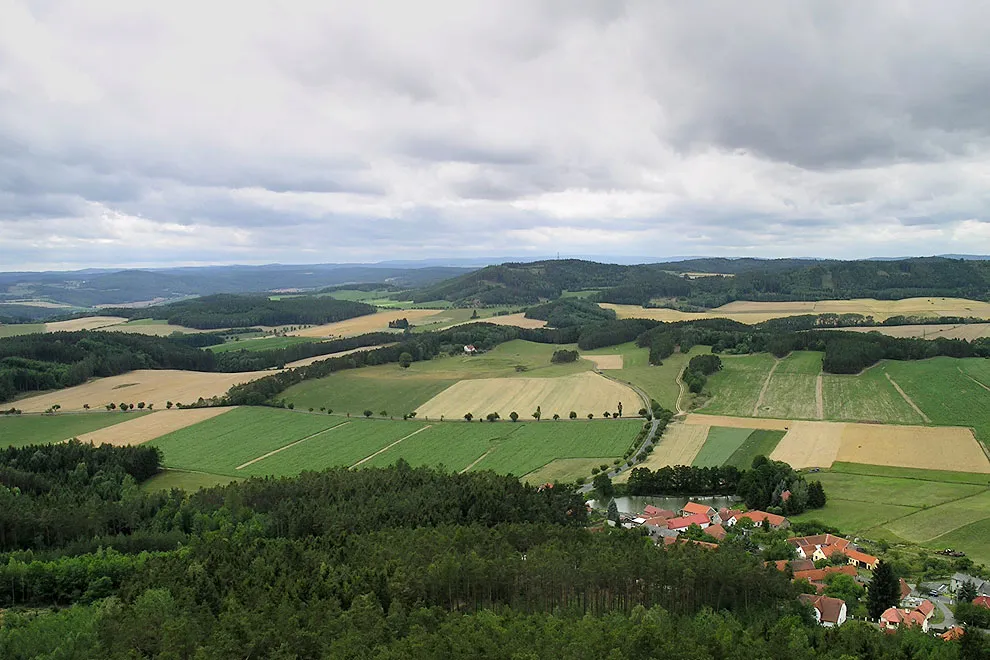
column 368, row 413
column 405, row 360
column 468, row 417
column 816, row 495
column 883, row 591
column 492, row 416
column 556, row 417
column 620, row 410
column 537, row 413
column 85, row 406
column 168, row 405
column 572, row 415
column 514, row 416
column 591, row 415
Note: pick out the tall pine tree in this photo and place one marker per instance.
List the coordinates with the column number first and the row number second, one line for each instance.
column 816, row 495
column 883, row 591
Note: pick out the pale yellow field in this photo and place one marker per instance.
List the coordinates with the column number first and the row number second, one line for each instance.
column 605, row 361
column 819, row 444
column 928, row 447
column 150, row 386
column 812, row 444
column 363, row 324
column 679, row 445
column 950, row 331
column 757, row 312
column 37, row 303
column 308, row 361
column 519, row 320
column 148, row 427
column 85, row 323
column 160, row 329
column 583, row 393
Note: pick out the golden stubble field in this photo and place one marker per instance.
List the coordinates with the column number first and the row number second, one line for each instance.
column 605, row 361
column 757, row 312
column 148, row 427
column 583, row 393
column 150, row 386
column 819, row 444
column 85, row 323
column 363, row 324
column 310, row 360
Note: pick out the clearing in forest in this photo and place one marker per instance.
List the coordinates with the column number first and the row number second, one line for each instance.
column 582, row 393
column 157, row 386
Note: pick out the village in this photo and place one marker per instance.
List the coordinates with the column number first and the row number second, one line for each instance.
column 831, row 571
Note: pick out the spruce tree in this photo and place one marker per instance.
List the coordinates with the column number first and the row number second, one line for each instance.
column 967, row 592
column 613, row 512
column 883, row 591
column 816, row 495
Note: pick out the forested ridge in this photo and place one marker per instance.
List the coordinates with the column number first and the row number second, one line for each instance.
column 749, row 279
column 378, row 563
column 225, row 310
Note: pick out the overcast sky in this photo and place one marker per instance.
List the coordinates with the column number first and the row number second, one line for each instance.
column 151, row 133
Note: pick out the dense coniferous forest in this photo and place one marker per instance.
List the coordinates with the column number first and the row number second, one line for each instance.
column 224, row 310
column 746, row 279
column 378, row 563
column 569, row 312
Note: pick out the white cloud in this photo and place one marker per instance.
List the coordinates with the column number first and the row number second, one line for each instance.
column 250, row 131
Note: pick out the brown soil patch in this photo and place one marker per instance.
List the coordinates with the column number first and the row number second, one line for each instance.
column 85, row 323
column 583, row 393
column 150, row 386
column 148, row 427
column 363, row 324
column 308, row 361
column 605, row 361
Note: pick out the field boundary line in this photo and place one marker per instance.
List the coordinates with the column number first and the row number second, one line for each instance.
column 766, row 386
column 973, row 379
column 291, row 444
column 958, row 499
column 481, row 458
column 907, row 398
column 384, row 449
column 680, row 390
column 820, row 395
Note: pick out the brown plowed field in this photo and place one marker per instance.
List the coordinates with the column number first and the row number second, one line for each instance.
column 150, row 386
column 148, row 427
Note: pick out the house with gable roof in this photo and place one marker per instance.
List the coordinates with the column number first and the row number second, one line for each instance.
column 829, row 612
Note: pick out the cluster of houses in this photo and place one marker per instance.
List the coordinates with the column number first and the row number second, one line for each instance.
column 827, row 546
column 667, row 524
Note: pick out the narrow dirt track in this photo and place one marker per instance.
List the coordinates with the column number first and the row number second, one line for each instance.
column 908, row 399
column 763, row 391
column 820, row 396
column 973, row 379
column 476, row 461
column 385, row 449
column 293, row 444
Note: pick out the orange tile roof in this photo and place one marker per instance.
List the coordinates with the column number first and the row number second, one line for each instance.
column 861, row 557
column 759, row 516
column 684, row 522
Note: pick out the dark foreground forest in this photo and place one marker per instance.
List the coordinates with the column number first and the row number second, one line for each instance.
column 379, row 563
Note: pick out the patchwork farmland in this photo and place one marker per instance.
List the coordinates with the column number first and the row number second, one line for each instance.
column 269, row 441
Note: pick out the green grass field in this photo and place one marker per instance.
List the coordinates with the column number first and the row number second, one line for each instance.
column 944, row 390
column 791, row 391
column 659, row 382
column 720, row 445
column 736, row 388
column 14, row 329
column 867, row 397
column 934, row 508
column 220, row 444
column 259, row 344
column 341, row 445
column 398, row 391
column 453, row 445
column 188, row 481
column 759, row 443
column 21, row 430
column 536, row 444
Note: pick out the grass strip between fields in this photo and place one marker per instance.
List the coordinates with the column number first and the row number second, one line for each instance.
column 301, row 440
column 384, row 449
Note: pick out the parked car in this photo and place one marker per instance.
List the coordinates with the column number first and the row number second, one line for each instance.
column 934, row 593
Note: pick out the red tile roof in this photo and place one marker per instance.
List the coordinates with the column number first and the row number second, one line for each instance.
column 953, row 633
column 684, row 522
column 861, row 557
column 656, row 521
column 900, row 617
column 926, row 608
column 695, row 508
column 905, row 588
column 716, row 531
column 653, row 512
column 728, row 514
column 982, row 601
column 818, row 540
column 829, row 608
column 759, row 516
column 819, row 574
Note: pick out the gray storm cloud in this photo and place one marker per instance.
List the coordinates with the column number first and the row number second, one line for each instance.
column 139, row 133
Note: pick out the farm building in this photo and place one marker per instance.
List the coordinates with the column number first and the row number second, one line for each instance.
column 861, row 559
column 683, row 522
column 894, row 617
column 693, row 508
column 829, row 612
column 808, row 546
column 772, row 519
column 470, row 349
